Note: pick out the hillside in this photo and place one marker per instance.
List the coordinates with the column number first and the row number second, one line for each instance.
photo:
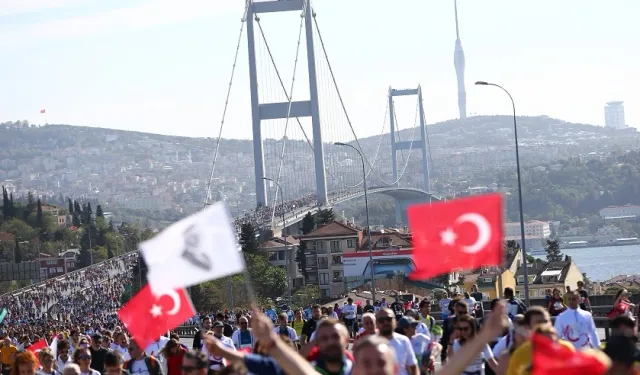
column 131, row 171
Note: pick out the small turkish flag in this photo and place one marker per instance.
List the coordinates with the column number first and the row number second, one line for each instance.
column 549, row 357
column 459, row 234
column 147, row 316
column 38, row 345
column 43, row 111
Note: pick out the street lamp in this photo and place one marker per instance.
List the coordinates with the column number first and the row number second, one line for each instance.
column 525, row 270
column 284, row 226
column 366, row 208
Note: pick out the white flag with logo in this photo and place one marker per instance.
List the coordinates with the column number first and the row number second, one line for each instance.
column 199, row 248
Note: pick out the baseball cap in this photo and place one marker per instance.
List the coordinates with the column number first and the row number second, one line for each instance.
column 406, row 322
column 217, row 324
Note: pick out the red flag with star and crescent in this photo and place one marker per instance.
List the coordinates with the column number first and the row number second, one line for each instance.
column 464, row 233
column 148, row 316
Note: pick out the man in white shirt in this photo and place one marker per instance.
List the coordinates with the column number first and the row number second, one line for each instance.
column 218, row 363
column 405, row 356
column 576, row 325
column 349, row 312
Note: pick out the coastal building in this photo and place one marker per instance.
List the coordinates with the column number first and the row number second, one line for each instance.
column 543, row 276
column 626, row 211
column 533, row 228
column 491, row 281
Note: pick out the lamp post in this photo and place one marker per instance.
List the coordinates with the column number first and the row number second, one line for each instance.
column 525, row 270
column 284, row 226
column 366, row 208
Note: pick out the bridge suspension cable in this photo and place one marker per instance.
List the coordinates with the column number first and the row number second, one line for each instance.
column 286, row 125
column 304, row 133
column 226, row 103
column 344, row 109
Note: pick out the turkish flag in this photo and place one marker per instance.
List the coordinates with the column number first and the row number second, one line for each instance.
column 148, row 316
column 459, row 234
column 38, row 345
column 549, row 357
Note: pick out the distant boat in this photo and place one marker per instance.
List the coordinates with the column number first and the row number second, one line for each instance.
column 574, row 244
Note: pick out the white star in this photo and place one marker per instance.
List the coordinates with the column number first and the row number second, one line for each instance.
column 156, row 311
column 448, row 237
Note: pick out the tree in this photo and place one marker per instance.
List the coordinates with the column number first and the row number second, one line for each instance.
column 553, row 251
column 99, row 212
column 76, row 208
column 306, row 295
column 301, row 257
column 110, row 253
column 268, row 280
column 17, row 253
column 248, row 238
column 325, row 216
column 39, row 216
column 70, row 206
column 75, row 220
column 6, row 207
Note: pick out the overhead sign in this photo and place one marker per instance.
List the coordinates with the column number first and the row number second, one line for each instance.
column 52, row 267
column 384, row 263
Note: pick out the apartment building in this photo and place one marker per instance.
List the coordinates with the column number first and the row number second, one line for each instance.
column 543, row 276
column 325, row 247
column 533, row 228
column 284, row 257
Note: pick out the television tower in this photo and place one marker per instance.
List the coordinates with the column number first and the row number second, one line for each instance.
column 458, row 62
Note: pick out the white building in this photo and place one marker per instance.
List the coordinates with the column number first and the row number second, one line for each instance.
column 533, row 228
column 620, row 211
column 614, row 115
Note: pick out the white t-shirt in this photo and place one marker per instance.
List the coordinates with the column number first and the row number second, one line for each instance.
column 478, row 364
column 291, row 333
column 471, row 303
column 405, row 356
column 139, row 367
column 218, row 363
column 420, row 344
column 349, row 311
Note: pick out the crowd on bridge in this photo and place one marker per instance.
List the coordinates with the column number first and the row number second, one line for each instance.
column 88, row 297
column 263, row 215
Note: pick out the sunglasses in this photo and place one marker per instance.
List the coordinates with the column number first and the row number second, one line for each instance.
column 385, row 319
column 84, row 357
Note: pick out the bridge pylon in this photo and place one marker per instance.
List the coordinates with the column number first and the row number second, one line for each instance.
column 272, row 111
column 396, row 146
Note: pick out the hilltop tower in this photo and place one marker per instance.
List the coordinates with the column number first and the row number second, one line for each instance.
column 458, row 62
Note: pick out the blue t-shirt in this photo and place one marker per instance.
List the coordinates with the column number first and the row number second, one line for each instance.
column 272, row 315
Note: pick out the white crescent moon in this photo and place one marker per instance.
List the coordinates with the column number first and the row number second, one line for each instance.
column 484, row 231
column 176, row 301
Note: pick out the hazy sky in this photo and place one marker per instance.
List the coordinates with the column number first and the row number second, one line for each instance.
column 156, row 66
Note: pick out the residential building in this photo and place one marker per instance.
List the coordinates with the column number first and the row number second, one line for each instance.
column 62, row 220
column 613, row 212
column 325, row 247
column 53, row 210
column 275, row 249
column 491, row 281
column 533, row 228
column 543, row 276
column 614, row 115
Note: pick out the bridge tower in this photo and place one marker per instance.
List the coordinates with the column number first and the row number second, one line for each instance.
column 421, row 143
column 271, row 111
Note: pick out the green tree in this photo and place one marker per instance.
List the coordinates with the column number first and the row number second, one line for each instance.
column 110, row 253
column 248, row 238
column 5, row 204
column 85, row 256
column 307, row 227
column 553, row 251
column 268, row 280
column 17, row 253
column 99, row 212
column 306, row 295
column 75, row 221
column 325, row 216
column 39, row 216
column 76, row 209
column 70, row 206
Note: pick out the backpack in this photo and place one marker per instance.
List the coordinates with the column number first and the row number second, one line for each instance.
column 150, row 361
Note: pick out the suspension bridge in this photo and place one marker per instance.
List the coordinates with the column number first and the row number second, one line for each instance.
column 297, row 121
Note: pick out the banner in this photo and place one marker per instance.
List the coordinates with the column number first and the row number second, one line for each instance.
column 384, row 263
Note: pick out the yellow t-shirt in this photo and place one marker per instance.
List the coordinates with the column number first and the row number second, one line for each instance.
column 6, row 354
column 520, row 360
